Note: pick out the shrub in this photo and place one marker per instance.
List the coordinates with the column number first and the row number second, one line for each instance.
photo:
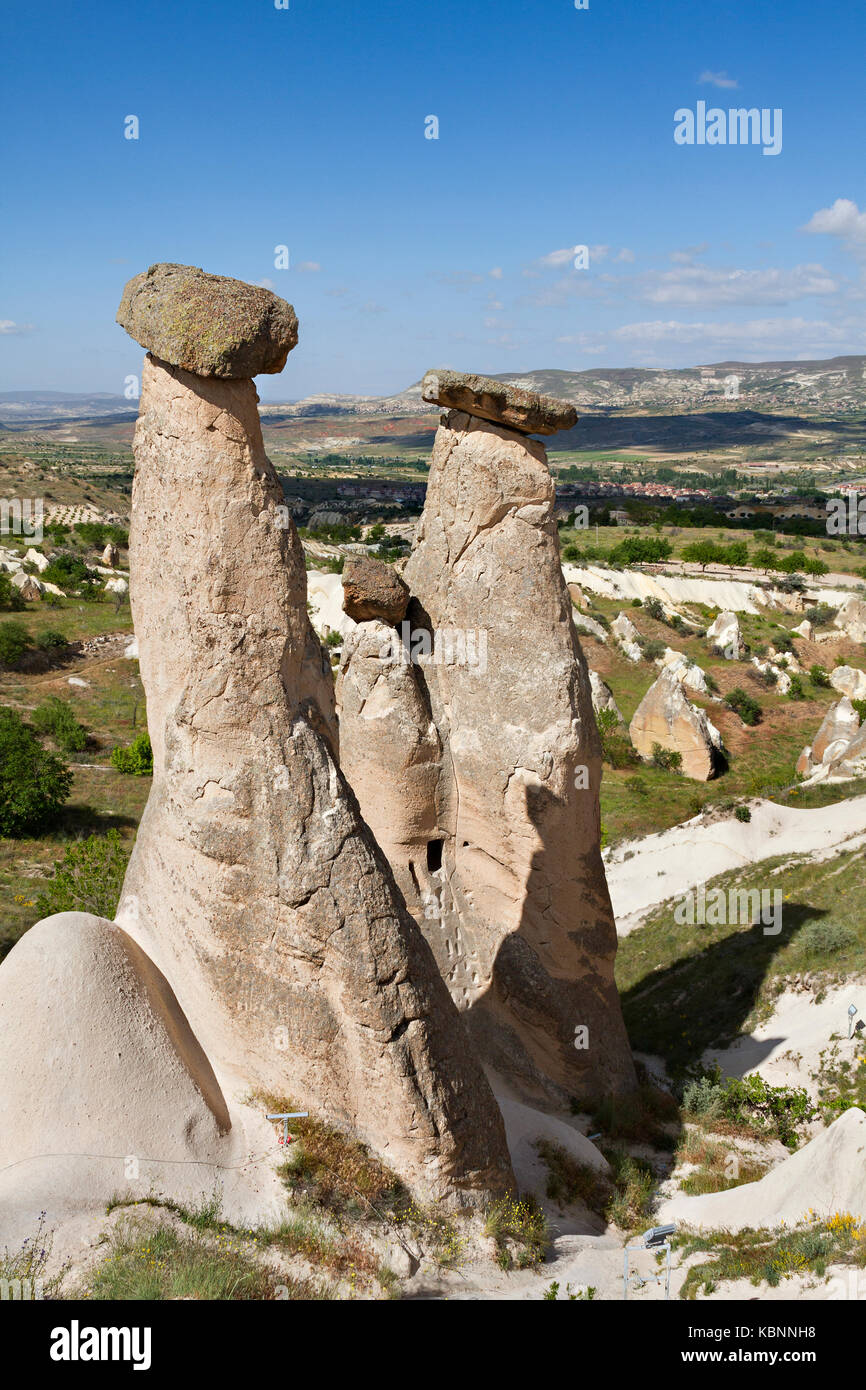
column 68, row 571
column 818, row 675
column 50, row 639
column 743, row 814
column 666, row 758
column 825, row 938
column 704, row 1096
column 821, row 614
column 651, row 648
column 88, row 878
column 616, row 747
column 797, row 690
column 636, row 785
column 860, row 707
column 742, row 703
column 56, row 717
column 137, row 759
column 10, row 597
column 14, row 642
column 34, row 784
column 653, row 607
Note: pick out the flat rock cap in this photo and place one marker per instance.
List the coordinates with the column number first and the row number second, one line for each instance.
column 373, row 589
column 208, row 324
column 484, row 396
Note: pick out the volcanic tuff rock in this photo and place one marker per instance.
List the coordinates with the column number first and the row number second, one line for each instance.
column 489, row 715
column 666, row 717
column 839, row 747
column 208, row 324
column 724, row 635
column 850, row 681
column 602, row 697
column 627, row 635
column 488, row 399
column 851, row 618
column 372, row 589
column 254, row 884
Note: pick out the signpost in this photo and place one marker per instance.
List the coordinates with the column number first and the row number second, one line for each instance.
column 285, row 1116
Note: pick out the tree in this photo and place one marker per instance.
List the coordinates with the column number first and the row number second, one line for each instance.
column 34, row 784
column 88, row 878
column 14, row 641
column 55, row 717
column 137, row 759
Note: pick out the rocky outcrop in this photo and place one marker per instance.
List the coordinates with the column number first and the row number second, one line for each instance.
column 28, row 586
column 627, row 636
column 602, row 697
column 110, row 555
column 850, row 681
column 485, row 398
column 687, row 672
column 498, row 846
column 724, row 637
column 836, row 752
column 208, row 324
column 667, row 718
column 778, row 674
column 255, row 884
column 851, row 618
column 372, row 589
column 99, row 1062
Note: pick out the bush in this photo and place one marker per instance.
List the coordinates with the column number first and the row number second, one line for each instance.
column 616, row 747
column 825, row 938
column 654, row 608
column 749, row 1101
column 50, row 639
column 651, row 648
column 14, row 642
column 797, row 690
column 818, row 675
column 56, row 717
column 34, row 784
column 860, row 707
column 10, row 597
column 88, row 878
column 636, row 785
column 137, row 759
column 821, row 614
column 666, row 758
column 743, row 814
column 742, row 703
column 68, row 571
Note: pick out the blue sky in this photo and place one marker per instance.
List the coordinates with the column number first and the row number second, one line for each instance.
column 305, row 127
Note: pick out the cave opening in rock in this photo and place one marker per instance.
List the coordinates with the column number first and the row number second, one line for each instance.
column 434, row 855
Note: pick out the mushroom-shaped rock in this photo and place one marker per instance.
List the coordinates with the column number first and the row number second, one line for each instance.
column 667, row 718
column 372, row 589
column 208, row 324
column 254, row 882
column 488, row 399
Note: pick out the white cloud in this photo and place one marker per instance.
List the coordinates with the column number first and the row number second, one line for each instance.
column 625, row 255
column 686, row 254
column 266, row 284
column 10, row 327
column 844, row 219
column 717, row 79
column 703, row 287
column 308, row 266
column 788, row 335
column 496, row 272
column 558, row 258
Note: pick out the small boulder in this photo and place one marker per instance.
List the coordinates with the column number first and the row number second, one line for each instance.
column 208, row 324
column 666, row 717
column 27, row 585
column 489, row 399
column 723, row 636
column 110, row 555
column 35, row 557
column 849, row 681
column 372, row 589
column 627, row 635
column 602, row 696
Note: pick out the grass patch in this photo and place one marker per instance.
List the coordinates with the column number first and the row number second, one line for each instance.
column 157, row 1263
column 769, row 1256
column 520, row 1230
column 623, row 1197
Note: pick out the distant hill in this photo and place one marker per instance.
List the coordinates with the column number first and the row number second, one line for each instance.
column 835, row 385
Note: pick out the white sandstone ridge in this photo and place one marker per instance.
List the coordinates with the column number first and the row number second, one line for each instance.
column 667, row 718
column 657, row 868
column 673, row 590
column 839, row 748
column 825, row 1177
